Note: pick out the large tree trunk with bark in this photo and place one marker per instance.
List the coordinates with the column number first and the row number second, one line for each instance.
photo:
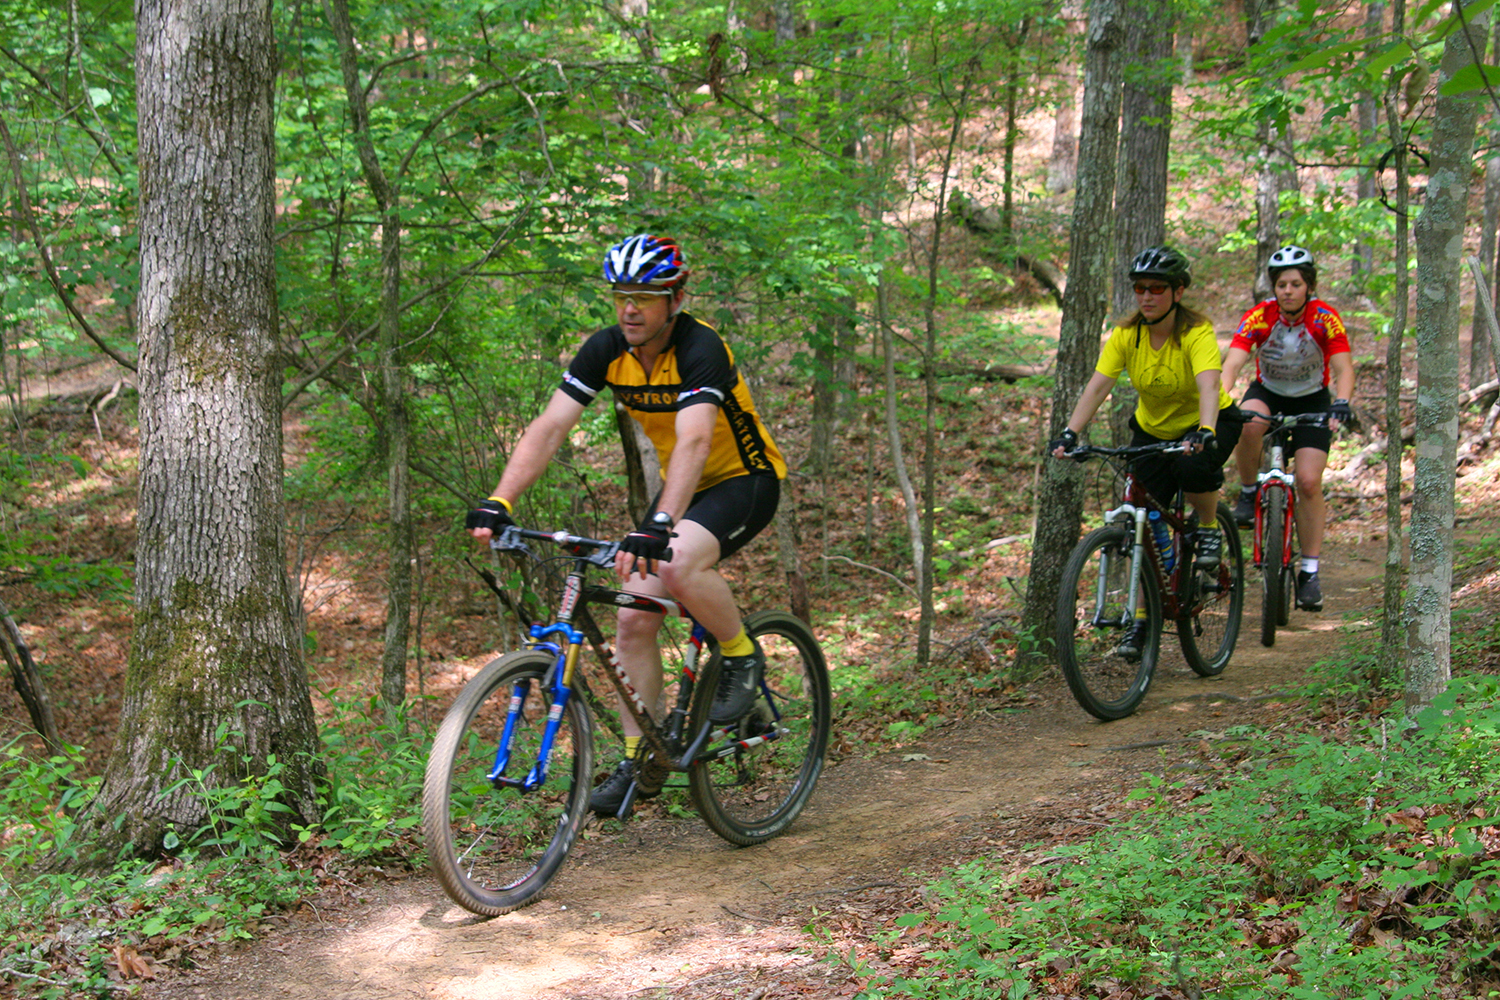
column 1439, row 230
column 1145, row 140
column 215, row 681
column 1060, row 490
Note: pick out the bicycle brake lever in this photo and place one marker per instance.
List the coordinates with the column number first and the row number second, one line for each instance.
column 510, row 540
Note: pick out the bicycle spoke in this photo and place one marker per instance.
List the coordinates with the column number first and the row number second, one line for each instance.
column 1093, row 619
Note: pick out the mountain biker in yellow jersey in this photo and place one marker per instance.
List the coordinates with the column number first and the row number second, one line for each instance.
column 1173, row 359
column 1298, row 341
column 721, row 474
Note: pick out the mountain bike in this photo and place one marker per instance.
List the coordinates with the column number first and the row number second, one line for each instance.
column 1275, row 548
column 510, row 772
column 1121, row 568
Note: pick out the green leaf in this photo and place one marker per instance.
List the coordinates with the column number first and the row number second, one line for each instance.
column 1377, row 67
column 1472, row 77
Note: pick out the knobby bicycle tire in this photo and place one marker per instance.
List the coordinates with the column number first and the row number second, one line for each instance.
column 1211, row 627
column 1272, row 568
column 494, row 849
column 749, row 788
column 1089, row 631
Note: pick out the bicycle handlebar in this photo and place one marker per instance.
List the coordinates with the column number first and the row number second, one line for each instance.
column 1278, row 421
column 1086, row 451
column 593, row 550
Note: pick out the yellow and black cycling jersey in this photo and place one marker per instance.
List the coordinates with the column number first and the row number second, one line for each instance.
column 696, row 368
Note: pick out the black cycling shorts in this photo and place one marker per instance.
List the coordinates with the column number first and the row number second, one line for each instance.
column 1303, row 435
column 735, row 510
column 1164, row 475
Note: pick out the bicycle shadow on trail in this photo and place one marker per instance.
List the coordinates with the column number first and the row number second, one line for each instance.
column 663, row 903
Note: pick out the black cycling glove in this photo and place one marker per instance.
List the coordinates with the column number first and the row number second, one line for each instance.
column 1341, row 411
column 492, row 514
column 1202, row 436
column 651, row 539
column 1067, row 441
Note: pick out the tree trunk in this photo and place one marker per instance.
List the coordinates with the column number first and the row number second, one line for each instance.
column 215, row 680
column 1145, row 140
column 1362, row 260
column 394, row 421
column 1278, row 169
column 1059, row 501
column 28, row 680
column 1391, row 642
column 1062, row 165
column 1439, row 228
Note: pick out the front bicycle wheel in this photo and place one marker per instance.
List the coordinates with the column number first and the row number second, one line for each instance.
column 1093, row 616
column 756, row 774
column 494, row 842
column 1210, row 629
column 1272, row 568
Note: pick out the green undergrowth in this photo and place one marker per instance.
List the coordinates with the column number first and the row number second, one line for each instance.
column 1294, row 866
column 68, row 933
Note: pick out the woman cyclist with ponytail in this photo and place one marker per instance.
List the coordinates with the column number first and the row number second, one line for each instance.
column 1299, row 342
column 1172, row 356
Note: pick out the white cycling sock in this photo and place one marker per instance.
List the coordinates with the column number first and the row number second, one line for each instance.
column 1309, row 565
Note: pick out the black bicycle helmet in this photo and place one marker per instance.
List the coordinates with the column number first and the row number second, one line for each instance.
column 1161, row 262
column 645, row 260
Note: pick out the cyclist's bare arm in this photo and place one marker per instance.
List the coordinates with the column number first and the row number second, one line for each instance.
column 1208, row 397
column 534, row 451
column 1089, row 401
column 1234, row 363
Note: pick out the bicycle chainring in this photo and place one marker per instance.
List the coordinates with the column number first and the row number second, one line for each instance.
column 650, row 771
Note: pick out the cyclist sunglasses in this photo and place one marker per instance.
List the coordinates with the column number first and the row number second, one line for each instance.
column 639, row 299
column 1153, row 288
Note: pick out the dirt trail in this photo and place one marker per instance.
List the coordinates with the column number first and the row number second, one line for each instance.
column 666, row 902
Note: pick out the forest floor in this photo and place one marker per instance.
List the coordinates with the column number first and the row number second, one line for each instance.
column 663, row 908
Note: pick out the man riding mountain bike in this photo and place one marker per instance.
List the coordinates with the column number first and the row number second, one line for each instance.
column 721, row 474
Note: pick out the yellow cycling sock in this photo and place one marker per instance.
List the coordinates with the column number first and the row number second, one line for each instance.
column 631, row 742
column 1210, row 524
column 1140, row 614
column 740, row 645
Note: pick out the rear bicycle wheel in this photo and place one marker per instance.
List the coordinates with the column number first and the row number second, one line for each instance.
column 1210, row 629
column 1093, row 616
column 757, row 773
column 495, row 847
column 1272, row 570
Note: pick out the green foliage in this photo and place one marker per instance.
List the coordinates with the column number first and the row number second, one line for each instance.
column 1300, row 876
column 371, row 796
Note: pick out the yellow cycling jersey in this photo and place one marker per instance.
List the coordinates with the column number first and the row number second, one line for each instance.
column 696, row 368
column 1164, row 380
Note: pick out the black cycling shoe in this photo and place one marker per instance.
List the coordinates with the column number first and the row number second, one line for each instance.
column 1309, row 592
column 1210, row 548
column 1133, row 646
column 1244, row 510
column 739, row 685
column 606, row 799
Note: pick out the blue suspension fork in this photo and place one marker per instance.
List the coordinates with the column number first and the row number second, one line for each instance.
column 562, row 691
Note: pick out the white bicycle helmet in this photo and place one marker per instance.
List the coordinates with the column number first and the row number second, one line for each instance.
column 645, row 260
column 1290, row 256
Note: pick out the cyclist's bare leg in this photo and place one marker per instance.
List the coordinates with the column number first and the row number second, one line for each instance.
column 1247, row 452
column 1312, row 512
column 640, row 652
column 691, row 579
column 1206, row 504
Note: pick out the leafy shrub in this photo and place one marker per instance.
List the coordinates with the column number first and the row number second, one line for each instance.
column 1356, row 869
